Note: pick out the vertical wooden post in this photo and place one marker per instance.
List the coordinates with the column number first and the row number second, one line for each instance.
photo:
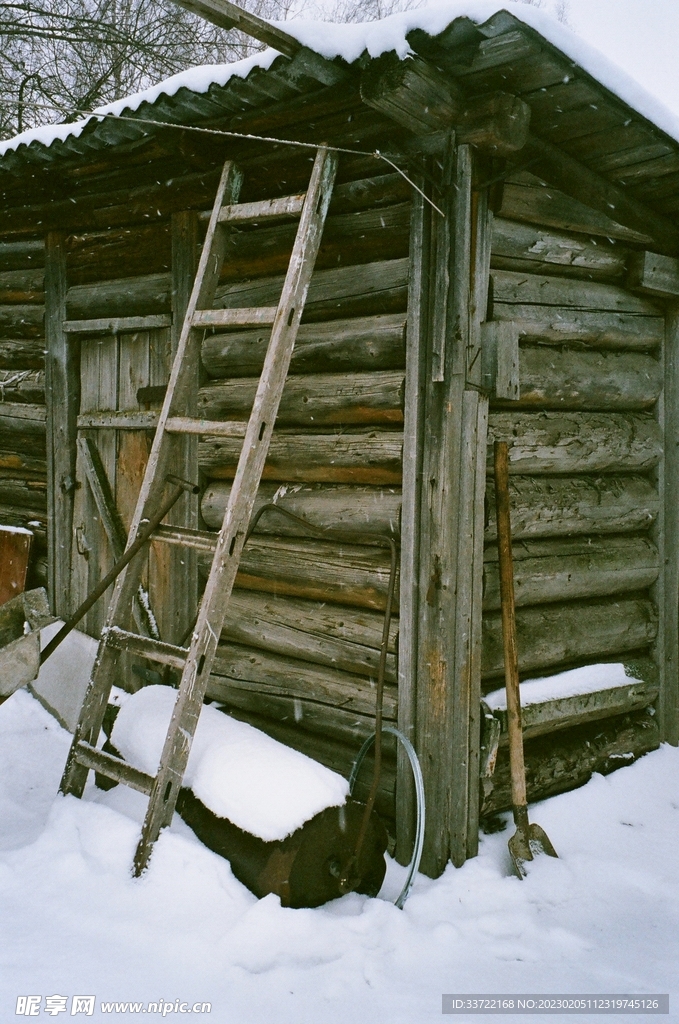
column 453, row 442
column 180, row 599
column 667, row 590
column 62, row 393
column 420, row 228
column 439, row 516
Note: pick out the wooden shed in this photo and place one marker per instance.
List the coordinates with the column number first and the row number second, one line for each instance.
column 519, row 280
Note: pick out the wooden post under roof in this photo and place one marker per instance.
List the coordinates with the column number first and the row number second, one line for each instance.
column 667, row 536
column 415, row 386
column 62, row 396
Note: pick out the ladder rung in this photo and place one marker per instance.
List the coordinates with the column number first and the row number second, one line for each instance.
column 217, row 428
column 267, row 209
column 256, row 316
column 145, row 647
column 113, row 767
column 201, row 540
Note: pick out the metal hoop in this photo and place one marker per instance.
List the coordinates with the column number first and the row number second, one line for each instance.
column 419, row 795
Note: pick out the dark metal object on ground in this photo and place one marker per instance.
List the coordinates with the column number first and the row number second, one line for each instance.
column 528, row 840
column 304, row 869
column 143, row 537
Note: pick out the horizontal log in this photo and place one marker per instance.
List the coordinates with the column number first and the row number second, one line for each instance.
column 527, row 198
column 121, row 297
column 550, row 716
column 539, row 289
column 350, row 574
column 22, row 353
column 576, row 442
column 573, row 568
column 557, row 763
column 422, row 99
column 346, row 639
column 367, row 235
column 23, row 419
column 552, row 378
column 333, row 722
column 262, row 672
column 132, row 251
column 313, row 399
column 28, row 493
column 22, row 386
column 353, row 510
column 551, row 635
column 22, row 286
column 557, row 325
column 363, row 290
column 413, row 93
column 563, row 506
column 535, row 249
column 368, row 343
column 654, row 274
column 22, row 320
column 22, row 255
column 330, row 752
column 29, row 459
column 373, row 458
column 116, row 325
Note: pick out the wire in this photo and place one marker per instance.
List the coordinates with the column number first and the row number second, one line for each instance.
column 376, row 153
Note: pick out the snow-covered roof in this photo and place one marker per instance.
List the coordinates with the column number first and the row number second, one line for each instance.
column 350, row 41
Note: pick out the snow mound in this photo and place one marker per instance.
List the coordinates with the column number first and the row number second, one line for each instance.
column 574, row 683
column 240, row 773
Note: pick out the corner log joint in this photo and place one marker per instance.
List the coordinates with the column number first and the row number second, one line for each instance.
column 422, row 99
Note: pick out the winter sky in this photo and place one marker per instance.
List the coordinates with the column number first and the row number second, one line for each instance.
column 639, row 35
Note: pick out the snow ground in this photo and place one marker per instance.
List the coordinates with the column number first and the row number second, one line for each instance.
column 602, row 919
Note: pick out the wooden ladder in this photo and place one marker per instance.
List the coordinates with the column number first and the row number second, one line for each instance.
column 196, row 660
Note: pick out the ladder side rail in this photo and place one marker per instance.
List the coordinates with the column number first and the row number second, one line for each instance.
column 205, row 282
column 103, row 672
column 231, row 538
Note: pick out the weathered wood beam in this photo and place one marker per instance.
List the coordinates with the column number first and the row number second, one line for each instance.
column 63, row 389
column 550, row 635
column 346, row 639
column 573, row 568
column 422, row 99
column 228, row 16
column 354, row 510
column 550, row 716
column 308, row 458
column 349, row 574
column 576, row 442
column 552, row 378
column 667, row 535
column 414, row 405
column 535, row 249
column 544, row 506
column 313, row 400
column 653, row 274
column 577, row 180
column 362, row 343
column 557, row 763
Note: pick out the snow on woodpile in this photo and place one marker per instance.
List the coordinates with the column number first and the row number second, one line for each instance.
column 349, row 41
column 574, row 683
column 237, row 771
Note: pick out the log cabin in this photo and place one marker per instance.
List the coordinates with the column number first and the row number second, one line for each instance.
column 500, row 261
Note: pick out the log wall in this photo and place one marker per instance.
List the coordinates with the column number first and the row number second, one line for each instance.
column 23, row 457
column 300, row 649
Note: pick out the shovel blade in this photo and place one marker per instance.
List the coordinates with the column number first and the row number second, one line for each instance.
column 524, row 847
column 520, row 851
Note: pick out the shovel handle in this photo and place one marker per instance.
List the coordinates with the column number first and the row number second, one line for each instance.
column 511, row 659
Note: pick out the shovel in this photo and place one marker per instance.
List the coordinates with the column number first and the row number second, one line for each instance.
column 528, row 840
